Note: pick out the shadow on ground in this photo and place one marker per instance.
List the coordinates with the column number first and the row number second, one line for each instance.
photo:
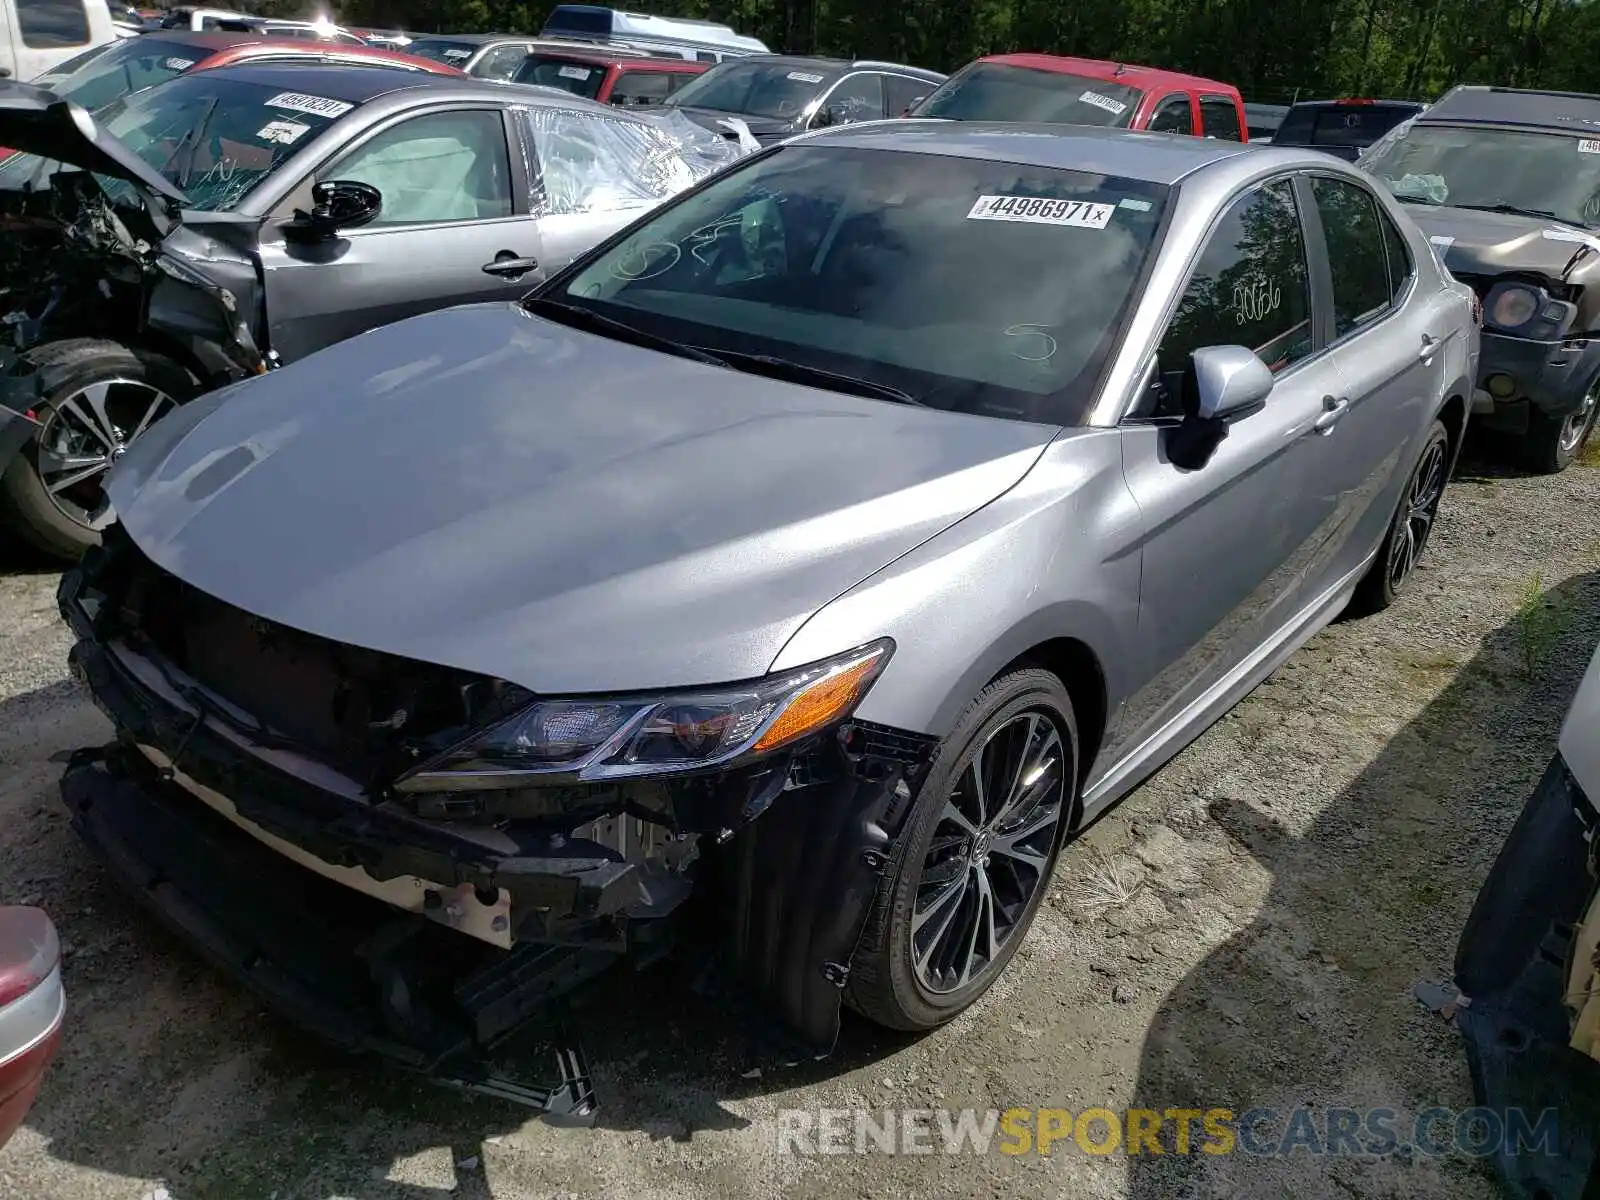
column 1423, row 812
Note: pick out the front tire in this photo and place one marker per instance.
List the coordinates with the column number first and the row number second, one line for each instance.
column 974, row 862
column 94, row 399
column 1413, row 523
column 1554, row 443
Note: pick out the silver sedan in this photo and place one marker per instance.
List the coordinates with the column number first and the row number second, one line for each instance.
column 843, row 536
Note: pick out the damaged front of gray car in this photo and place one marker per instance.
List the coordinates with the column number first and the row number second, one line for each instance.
column 1506, row 184
column 582, row 727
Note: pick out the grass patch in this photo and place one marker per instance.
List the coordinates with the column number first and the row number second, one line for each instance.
column 1104, row 885
column 1539, row 622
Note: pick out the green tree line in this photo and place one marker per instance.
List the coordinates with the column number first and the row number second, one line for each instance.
column 1274, row 50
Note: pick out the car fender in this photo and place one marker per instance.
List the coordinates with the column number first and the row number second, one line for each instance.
column 1057, row 556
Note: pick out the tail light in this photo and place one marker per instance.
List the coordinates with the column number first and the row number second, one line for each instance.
column 31, row 1006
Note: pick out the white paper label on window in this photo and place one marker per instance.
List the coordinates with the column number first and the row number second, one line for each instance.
column 317, row 106
column 574, row 72
column 285, row 133
column 1033, row 210
column 1115, row 107
column 179, row 64
column 1589, row 146
column 804, row 77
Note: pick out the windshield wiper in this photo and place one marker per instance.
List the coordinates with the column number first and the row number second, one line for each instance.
column 1500, row 206
column 794, row 372
column 580, row 317
column 185, row 150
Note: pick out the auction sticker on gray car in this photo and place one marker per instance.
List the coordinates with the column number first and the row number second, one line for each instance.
column 1038, row 210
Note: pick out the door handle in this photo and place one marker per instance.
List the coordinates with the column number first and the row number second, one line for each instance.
column 1334, row 409
column 508, row 266
column 1430, row 347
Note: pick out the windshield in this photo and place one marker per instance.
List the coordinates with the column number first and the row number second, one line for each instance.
column 126, row 66
column 1340, row 125
column 214, row 137
column 753, row 89
column 971, row 285
column 444, row 50
column 1490, row 168
column 581, row 79
column 996, row 92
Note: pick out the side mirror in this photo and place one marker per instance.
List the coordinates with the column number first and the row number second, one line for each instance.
column 1230, row 382
column 336, row 204
column 831, row 114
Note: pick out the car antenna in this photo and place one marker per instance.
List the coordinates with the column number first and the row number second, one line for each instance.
column 1121, row 67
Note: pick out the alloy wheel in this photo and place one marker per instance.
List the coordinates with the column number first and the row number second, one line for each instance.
column 87, row 431
column 989, row 853
column 1420, row 507
column 1576, row 427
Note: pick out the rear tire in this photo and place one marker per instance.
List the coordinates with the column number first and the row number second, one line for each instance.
column 52, row 492
column 1410, row 529
column 908, row 972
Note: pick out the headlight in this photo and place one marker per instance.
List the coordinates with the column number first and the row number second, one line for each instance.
column 616, row 737
column 1513, row 306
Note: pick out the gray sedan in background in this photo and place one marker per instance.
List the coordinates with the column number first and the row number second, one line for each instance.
column 249, row 215
column 837, row 542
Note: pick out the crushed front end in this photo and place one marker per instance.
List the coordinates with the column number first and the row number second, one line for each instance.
column 1526, row 993
column 324, row 822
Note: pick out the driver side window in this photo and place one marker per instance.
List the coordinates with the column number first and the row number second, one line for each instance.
column 449, row 166
column 1249, row 288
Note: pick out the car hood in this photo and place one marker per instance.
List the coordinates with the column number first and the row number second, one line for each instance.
column 1486, row 243
column 36, row 121
column 487, row 490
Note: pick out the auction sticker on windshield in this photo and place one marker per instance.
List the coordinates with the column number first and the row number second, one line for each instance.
column 1589, row 146
column 573, row 72
column 284, row 133
column 317, row 106
column 1115, row 107
column 1035, row 210
column 805, row 77
column 178, row 64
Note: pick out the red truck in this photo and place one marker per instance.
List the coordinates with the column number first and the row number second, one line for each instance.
column 1087, row 91
column 608, row 75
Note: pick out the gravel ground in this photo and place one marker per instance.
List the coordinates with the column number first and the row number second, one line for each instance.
column 1243, row 931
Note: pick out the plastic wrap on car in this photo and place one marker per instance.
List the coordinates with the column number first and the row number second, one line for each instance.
column 593, row 162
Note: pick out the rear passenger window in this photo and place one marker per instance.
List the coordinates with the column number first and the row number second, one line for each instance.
column 1357, row 256
column 1220, row 119
column 903, row 92
column 1250, row 288
column 1172, row 117
column 1401, row 265
column 47, row 24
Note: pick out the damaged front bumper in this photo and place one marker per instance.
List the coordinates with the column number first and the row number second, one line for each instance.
column 429, row 940
column 1515, row 970
column 1519, row 375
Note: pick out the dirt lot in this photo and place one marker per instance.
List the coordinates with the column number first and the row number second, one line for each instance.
column 1242, row 931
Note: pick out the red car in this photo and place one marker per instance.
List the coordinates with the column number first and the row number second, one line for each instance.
column 1087, row 91
column 31, row 1006
column 101, row 75
column 611, row 76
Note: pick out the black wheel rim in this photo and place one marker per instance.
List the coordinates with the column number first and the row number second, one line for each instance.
column 990, row 852
column 1418, row 510
column 88, row 430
